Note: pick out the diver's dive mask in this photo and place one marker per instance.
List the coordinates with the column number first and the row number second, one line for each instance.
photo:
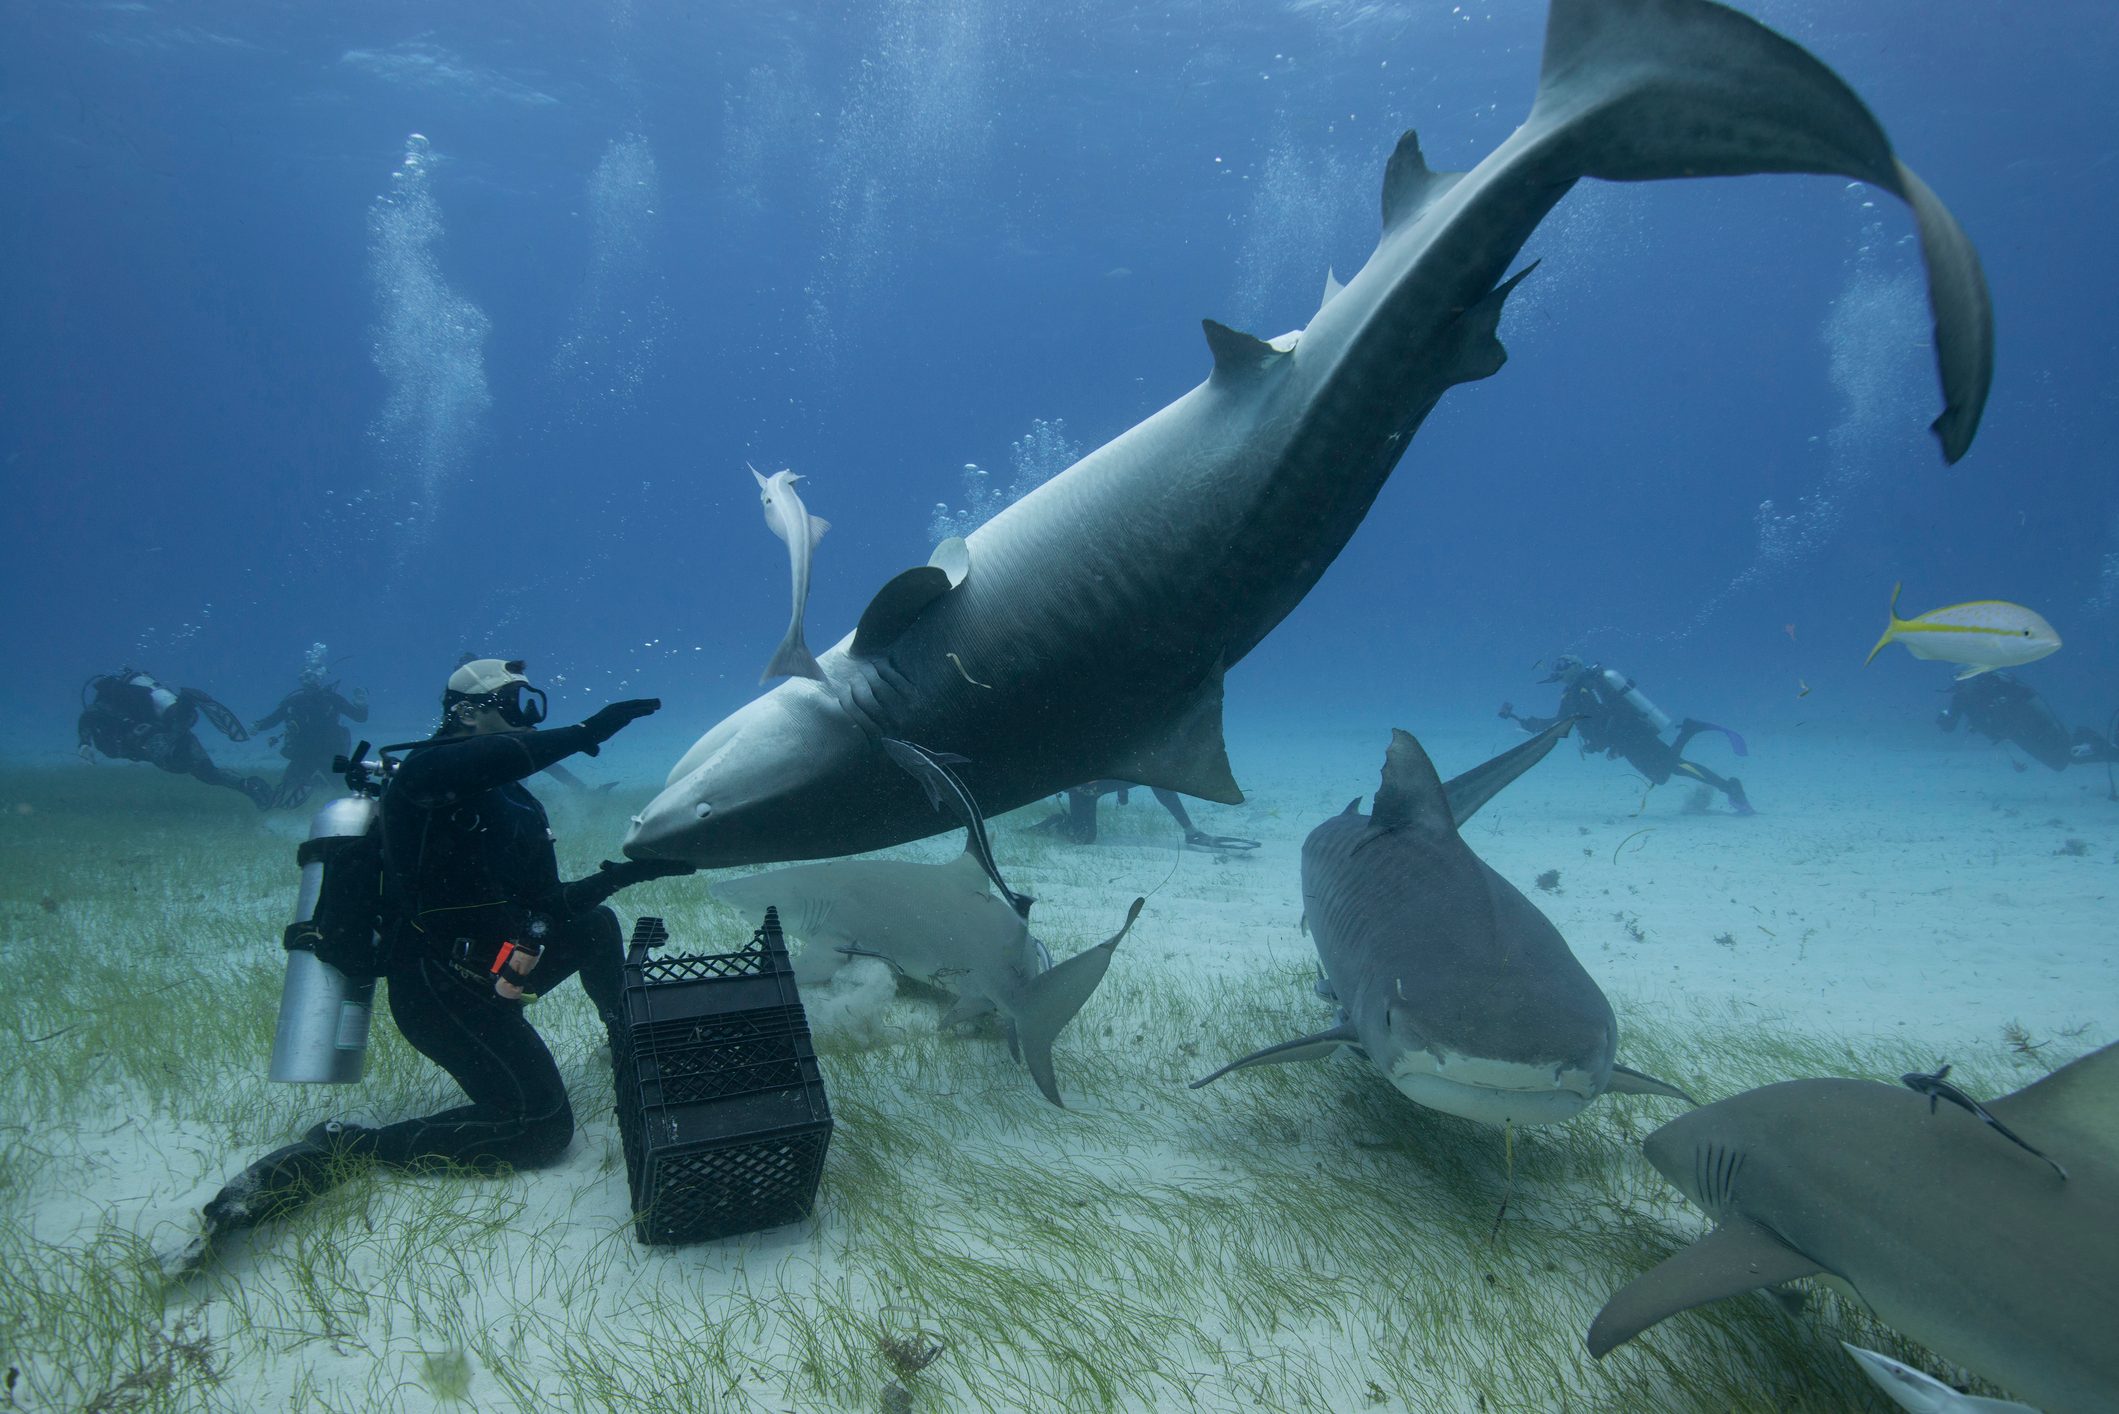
column 489, row 682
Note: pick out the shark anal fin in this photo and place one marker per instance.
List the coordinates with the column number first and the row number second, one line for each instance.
column 895, row 607
column 1627, row 1081
column 1189, row 757
column 1302, row 1048
column 1239, row 357
column 1475, row 350
column 1468, row 792
column 1736, row 1257
column 1409, row 185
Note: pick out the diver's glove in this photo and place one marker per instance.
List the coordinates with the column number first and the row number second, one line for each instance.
column 607, row 722
column 585, row 894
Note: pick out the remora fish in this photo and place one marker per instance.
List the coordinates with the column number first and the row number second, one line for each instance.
column 938, row 924
column 1947, row 1231
column 788, row 518
column 1084, row 632
column 1981, row 636
column 1448, row 979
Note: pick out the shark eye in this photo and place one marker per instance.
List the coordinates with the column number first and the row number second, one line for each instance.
column 702, row 810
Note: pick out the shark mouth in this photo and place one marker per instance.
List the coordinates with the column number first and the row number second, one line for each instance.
column 1493, row 1091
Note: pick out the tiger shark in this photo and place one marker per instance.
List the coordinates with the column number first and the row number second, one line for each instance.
column 1943, row 1220
column 1084, row 632
column 1449, row 981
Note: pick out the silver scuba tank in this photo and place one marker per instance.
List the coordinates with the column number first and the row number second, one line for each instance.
column 1636, row 699
column 322, row 1036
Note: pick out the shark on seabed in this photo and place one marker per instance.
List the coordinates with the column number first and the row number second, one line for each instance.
column 1084, row 632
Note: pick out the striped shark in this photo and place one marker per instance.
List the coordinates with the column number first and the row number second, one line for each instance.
column 1084, row 633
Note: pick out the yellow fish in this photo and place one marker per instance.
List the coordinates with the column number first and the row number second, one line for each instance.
column 1983, row 635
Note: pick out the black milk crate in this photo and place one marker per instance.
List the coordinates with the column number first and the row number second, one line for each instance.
column 720, row 1103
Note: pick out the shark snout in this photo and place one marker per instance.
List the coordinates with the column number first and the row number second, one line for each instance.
column 1491, row 1088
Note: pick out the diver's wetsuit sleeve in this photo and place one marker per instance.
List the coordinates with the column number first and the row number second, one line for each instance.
column 465, row 766
column 352, row 711
column 266, row 724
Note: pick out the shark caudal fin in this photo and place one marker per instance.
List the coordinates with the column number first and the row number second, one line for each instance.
column 1891, row 628
column 1641, row 90
column 1051, row 1001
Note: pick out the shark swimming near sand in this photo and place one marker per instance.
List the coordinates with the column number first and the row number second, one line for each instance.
column 1085, row 632
column 1947, row 1225
column 1449, row 981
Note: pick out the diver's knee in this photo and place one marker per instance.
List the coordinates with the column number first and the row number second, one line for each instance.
column 546, row 1138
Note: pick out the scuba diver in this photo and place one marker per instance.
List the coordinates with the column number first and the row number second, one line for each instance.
column 129, row 716
column 1612, row 716
column 311, row 713
column 471, row 902
column 1077, row 823
column 2003, row 708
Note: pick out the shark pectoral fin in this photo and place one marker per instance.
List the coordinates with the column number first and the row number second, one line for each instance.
column 1627, row 1081
column 1963, row 311
column 1190, row 756
column 1052, row 999
column 1736, row 1257
column 1303, row 1048
column 818, row 964
column 1475, row 349
column 2074, row 1112
column 1468, row 792
column 1239, row 358
column 894, row 608
column 953, row 558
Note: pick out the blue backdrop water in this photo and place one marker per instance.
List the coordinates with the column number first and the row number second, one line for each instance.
column 273, row 370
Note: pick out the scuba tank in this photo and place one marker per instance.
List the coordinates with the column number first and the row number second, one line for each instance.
column 325, row 1009
column 1622, row 687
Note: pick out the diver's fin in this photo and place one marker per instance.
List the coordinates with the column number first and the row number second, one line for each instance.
column 1409, row 186
column 1625, row 1080
column 895, row 607
column 1302, row 1048
column 1190, row 757
column 1052, row 999
column 1239, row 358
column 1736, row 1257
column 2074, row 1111
column 1891, row 628
column 1468, row 792
column 1411, row 794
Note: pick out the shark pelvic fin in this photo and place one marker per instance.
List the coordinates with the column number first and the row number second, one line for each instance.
column 1475, row 351
column 1302, row 1048
column 1468, row 792
column 1411, row 793
column 1190, row 756
column 1240, row 358
column 1736, row 1257
column 1409, row 186
column 895, row 607
column 1051, row 1001
column 1625, row 1080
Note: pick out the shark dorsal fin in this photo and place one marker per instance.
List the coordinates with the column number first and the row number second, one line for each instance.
column 1411, row 794
column 1239, row 357
column 1466, row 793
column 1353, row 807
column 1409, row 185
column 895, row 606
column 2072, row 1113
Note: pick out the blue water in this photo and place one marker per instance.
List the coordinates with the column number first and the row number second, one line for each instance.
column 266, row 384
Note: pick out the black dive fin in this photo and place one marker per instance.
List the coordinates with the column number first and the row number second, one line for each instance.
column 1468, row 792
column 1303, row 1048
column 1736, row 1257
column 1627, row 1081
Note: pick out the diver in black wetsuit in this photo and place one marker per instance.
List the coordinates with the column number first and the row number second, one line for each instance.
column 311, row 714
column 1613, row 717
column 1077, row 823
column 472, row 903
column 2004, row 708
column 129, row 716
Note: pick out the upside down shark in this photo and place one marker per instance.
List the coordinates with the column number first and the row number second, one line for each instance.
column 1084, row 632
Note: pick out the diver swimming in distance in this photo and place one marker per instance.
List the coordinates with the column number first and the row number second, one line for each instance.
column 470, row 903
column 129, row 715
column 1077, row 823
column 314, row 716
column 1613, row 716
column 2005, row 709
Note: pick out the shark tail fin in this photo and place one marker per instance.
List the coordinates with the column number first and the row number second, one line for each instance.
column 1641, row 90
column 1051, row 1001
column 792, row 659
column 1892, row 626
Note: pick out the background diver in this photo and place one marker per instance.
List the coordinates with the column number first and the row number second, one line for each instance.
column 314, row 731
column 468, row 868
column 2004, row 708
column 1077, row 823
column 130, row 716
column 1616, row 719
